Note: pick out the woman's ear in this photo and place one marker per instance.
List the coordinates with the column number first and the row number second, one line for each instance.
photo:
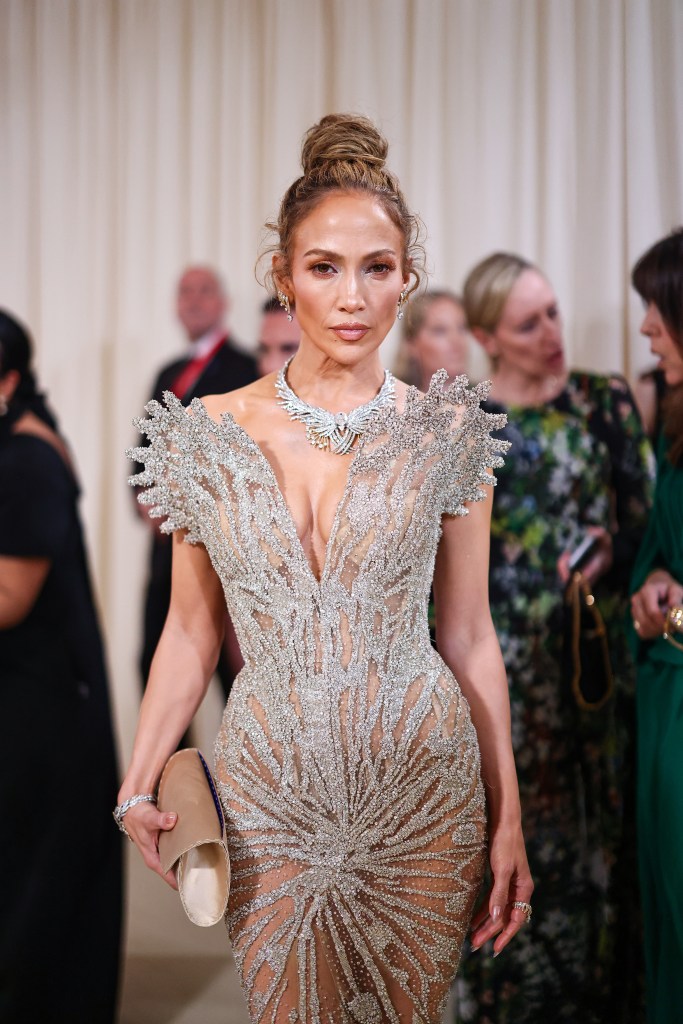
column 281, row 278
column 487, row 341
column 407, row 271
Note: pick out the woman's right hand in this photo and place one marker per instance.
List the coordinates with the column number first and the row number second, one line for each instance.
column 649, row 604
column 597, row 565
column 143, row 824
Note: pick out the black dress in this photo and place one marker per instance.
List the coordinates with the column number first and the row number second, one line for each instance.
column 60, row 852
column 227, row 370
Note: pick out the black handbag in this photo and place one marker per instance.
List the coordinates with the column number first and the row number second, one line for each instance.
column 586, row 662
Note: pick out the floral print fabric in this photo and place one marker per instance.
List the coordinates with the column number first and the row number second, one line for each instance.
column 580, row 460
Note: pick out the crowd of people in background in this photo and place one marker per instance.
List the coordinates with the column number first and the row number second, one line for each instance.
column 580, row 464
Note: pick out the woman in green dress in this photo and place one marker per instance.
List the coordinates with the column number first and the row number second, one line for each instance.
column 579, row 464
column 658, row 586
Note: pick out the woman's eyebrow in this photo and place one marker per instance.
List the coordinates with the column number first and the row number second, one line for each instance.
column 329, row 255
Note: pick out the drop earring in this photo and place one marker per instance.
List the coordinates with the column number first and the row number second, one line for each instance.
column 284, row 302
column 402, row 299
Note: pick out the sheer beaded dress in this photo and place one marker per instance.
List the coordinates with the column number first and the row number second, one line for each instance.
column 346, row 760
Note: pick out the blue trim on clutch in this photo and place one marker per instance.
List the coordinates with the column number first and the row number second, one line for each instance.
column 212, row 787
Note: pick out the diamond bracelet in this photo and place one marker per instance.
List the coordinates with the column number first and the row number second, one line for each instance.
column 122, row 809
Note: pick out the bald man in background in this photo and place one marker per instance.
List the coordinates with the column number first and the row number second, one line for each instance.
column 212, row 366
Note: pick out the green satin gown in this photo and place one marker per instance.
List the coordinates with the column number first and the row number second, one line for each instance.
column 660, row 764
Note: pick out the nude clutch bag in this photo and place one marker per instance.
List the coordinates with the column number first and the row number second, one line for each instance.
column 196, row 846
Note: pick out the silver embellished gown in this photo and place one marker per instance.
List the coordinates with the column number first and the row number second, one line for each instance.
column 347, row 762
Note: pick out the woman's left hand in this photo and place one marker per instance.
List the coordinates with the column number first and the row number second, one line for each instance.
column 650, row 604
column 598, row 564
column 512, row 883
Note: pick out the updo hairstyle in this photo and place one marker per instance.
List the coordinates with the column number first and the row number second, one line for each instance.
column 488, row 286
column 344, row 153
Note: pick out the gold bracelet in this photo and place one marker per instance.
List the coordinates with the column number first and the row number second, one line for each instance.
column 674, row 624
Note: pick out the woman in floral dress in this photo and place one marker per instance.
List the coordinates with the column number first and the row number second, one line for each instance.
column 579, row 463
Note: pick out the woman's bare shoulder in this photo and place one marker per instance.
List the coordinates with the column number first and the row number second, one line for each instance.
column 244, row 404
column 258, row 399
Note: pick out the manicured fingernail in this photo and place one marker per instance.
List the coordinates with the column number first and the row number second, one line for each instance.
column 495, row 913
column 170, row 819
column 497, row 954
column 473, row 949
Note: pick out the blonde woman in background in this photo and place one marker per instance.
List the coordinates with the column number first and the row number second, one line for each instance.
column 579, row 465
column 434, row 337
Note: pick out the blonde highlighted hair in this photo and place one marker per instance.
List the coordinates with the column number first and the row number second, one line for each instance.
column 487, row 287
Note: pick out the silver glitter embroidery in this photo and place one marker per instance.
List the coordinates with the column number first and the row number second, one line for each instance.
column 347, row 762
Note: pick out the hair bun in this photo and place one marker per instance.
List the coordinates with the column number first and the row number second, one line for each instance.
column 343, row 138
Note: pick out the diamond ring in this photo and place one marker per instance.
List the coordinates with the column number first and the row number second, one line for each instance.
column 524, row 907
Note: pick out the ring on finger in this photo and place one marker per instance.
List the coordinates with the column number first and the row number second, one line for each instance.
column 524, row 907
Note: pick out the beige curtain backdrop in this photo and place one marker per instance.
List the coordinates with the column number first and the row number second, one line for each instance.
column 140, row 135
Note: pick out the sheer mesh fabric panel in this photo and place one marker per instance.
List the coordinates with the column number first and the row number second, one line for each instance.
column 347, row 761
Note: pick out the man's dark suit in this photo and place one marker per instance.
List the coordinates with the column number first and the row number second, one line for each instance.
column 227, row 370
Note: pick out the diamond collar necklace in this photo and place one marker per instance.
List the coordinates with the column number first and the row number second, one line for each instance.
column 333, row 432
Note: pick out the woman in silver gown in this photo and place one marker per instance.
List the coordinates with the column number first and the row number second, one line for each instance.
column 352, row 766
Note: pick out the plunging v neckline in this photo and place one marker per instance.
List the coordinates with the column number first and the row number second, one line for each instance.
column 227, row 420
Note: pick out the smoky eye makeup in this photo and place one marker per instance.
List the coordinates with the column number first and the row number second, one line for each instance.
column 323, row 268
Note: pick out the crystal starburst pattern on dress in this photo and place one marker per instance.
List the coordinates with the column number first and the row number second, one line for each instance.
column 332, row 432
column 347, row 763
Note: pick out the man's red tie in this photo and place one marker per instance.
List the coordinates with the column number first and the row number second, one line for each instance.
column 192, row 371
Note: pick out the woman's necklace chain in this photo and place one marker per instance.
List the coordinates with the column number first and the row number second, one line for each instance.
column 333, row 432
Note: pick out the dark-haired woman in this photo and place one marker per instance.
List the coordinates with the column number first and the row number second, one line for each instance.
column 320, row 502
column 60, row 864
column 658, row 588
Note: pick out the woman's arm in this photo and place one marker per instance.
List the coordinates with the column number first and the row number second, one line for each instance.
column 35, row 503
column 468, row 644
column 21, row 581
column 181, row 669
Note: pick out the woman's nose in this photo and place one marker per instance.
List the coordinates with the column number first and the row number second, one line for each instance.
column 351, row 296
column 553, row 329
